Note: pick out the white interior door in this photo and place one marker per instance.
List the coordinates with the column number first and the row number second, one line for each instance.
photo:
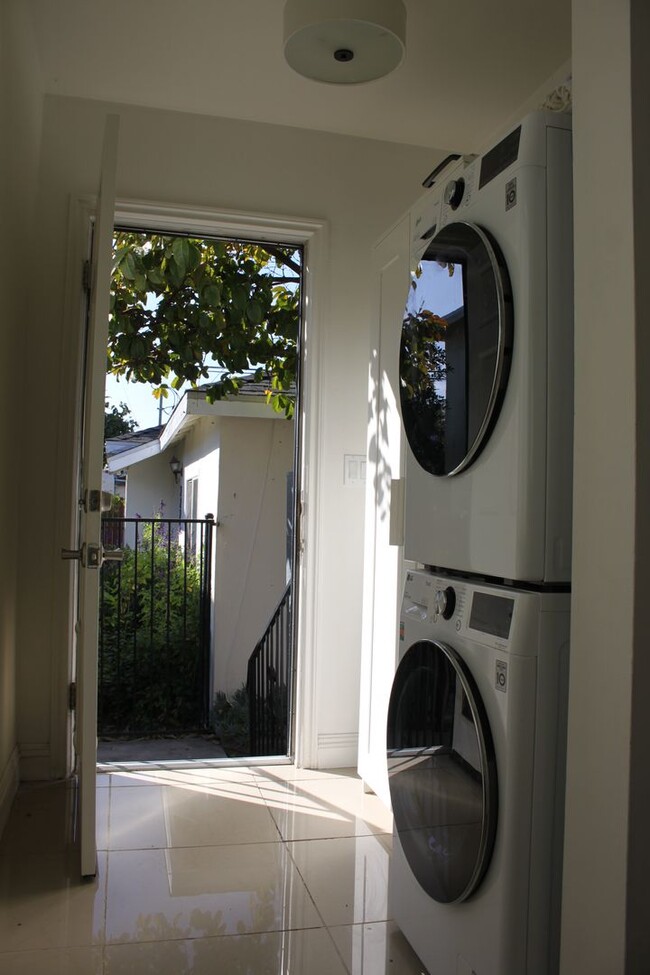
column 89, row 542
column 384, row 557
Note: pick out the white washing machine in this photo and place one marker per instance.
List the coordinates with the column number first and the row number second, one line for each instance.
column 476, row 736
column 486, row 362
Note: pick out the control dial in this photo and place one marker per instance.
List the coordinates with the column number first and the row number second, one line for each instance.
column 445, row 602
column 454, row 191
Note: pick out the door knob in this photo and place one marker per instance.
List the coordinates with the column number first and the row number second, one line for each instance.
column 114, row 555
column 72, row 553
column 92, row 556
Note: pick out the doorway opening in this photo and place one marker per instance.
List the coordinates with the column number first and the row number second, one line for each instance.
column 197, row 614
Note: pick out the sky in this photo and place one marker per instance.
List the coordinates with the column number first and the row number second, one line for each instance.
column 140, row 400
column 436, row 289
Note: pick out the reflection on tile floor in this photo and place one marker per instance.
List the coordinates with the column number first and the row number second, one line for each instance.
column 263, row 871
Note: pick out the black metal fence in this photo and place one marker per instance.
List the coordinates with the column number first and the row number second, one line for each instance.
column 154, row 627
column 268, row 684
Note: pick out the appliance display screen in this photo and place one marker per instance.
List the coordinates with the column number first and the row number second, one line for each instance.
column 492, row 614
column 499, row 158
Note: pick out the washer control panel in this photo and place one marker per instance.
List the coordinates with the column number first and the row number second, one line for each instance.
column 479, row 612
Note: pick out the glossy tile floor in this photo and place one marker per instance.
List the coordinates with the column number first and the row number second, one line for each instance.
column 239, row 871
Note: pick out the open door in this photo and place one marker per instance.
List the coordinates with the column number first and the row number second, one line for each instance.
column 88, row 554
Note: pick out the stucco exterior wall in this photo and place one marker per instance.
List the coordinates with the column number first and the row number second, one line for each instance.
column 151, row 490
column 250, row 566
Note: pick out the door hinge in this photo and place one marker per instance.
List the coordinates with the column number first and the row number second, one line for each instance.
column 72, row 696
column 86, row 276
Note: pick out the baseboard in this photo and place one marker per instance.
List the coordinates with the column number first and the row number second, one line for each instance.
column 8, row 787
column 338, row 750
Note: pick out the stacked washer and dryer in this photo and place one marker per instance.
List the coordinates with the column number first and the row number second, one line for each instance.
column 477, row 714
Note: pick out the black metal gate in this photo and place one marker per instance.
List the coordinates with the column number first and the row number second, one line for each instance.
column 154, row 627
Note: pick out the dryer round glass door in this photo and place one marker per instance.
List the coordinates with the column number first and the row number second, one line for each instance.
column 441, row 771
column 456, row 348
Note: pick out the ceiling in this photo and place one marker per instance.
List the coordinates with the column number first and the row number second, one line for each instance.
column 469, row 67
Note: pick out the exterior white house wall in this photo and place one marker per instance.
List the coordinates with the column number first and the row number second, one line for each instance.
column 200, row 454
column 250, row 567
column 151, row 490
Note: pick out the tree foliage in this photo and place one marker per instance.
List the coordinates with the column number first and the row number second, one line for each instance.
column 183, row 306
column 117, row 420
column 423, row 374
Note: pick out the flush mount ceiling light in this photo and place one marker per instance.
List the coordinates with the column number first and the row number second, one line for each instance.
column 344, row 42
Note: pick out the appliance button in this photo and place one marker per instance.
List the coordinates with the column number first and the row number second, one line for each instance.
column 445, row 602
column 454, row 191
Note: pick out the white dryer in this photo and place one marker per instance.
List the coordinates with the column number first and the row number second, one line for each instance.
column 486, row 362
column 476, row 734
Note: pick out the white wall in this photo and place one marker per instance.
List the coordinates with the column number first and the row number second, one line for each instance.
column 251, row 539
column 151, row 491
column 200, row 452
column 360, row 187
column 605, row 927
column 20, row 125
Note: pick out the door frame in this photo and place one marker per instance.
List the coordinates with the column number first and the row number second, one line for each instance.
column 313, row 236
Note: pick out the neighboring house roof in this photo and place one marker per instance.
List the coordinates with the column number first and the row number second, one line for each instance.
column 251, row 401
column 126, row 441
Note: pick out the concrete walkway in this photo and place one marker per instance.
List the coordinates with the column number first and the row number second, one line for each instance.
column 185, row 748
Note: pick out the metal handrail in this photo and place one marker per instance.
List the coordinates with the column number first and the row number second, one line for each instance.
column 268, row 683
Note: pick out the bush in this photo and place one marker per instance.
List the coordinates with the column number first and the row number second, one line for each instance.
column 229, row 721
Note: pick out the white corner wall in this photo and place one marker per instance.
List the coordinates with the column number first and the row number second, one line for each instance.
column 200, row 452
column 151, row 489
column 359, row 187
column 605, row 927
column 249, row 578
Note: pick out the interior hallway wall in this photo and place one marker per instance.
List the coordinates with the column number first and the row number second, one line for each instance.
column 605, row 927
column 20, row 128
column 359, row 187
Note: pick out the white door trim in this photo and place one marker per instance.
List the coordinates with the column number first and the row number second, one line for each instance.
column 313, row 235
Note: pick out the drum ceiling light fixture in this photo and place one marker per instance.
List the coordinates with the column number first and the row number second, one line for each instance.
column 344, row 42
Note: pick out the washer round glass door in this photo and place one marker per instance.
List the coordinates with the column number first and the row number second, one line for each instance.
column 441, row 771
column 456, row 348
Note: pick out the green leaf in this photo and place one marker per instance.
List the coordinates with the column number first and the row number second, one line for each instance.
column 254, row 312
column 212, row 295
column 240, row 297
column 128, row 266
column 181, row 254
column 155, row 276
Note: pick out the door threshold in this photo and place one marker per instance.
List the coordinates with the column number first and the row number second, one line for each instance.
column 193, row 763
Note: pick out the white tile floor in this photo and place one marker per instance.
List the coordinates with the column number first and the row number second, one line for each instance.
column 249, row 871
